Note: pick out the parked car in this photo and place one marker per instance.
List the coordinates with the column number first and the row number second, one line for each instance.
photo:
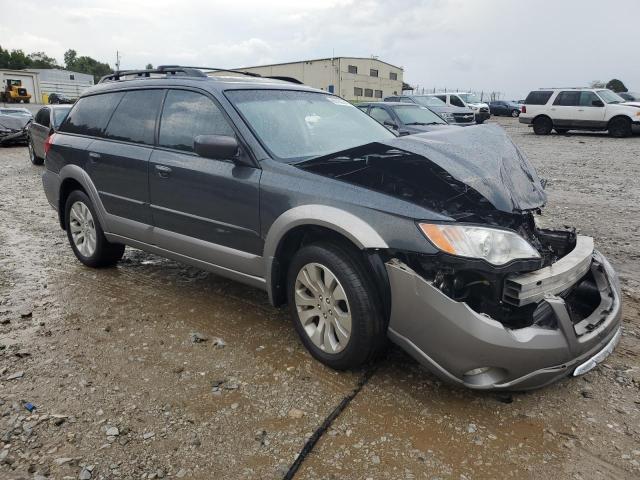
column 403, row 118
column 14, row 126
column 427, row 239
column 564, row 109
column 462, row 116
column 630, row 96
column 468, row 100
column 503, row 107
column 45, row 124
column 59, row 98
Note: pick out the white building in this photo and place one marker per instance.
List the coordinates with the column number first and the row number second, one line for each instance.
column 65, row 82
column 352, row 78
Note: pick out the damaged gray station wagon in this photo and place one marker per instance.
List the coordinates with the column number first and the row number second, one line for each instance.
column 430, row 240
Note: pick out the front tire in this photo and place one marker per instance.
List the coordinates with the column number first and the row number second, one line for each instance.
column 515, row 113
column 85, row 233
column 542, row 126
column 620, row 127
column 335, row 307
column 32, row 154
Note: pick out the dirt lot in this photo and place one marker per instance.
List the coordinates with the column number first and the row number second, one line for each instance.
column 124, row 389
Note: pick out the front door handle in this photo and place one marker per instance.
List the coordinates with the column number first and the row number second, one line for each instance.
column 94, row 155
column 163, row 171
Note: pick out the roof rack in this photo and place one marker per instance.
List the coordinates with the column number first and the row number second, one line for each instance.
column 564, row 88
column 170, row 70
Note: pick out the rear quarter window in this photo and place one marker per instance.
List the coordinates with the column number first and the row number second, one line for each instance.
column 90, row 115
column 539, row 97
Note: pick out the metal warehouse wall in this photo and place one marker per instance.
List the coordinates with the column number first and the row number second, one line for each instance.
column 65, row 82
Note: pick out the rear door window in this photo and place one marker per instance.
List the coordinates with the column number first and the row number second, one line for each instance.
column 539, row 97
column 90, row 115
column 189, row 114
column 135, row 117
column 567, row 99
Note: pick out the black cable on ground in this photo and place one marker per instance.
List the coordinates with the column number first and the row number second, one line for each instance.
column 317, row 434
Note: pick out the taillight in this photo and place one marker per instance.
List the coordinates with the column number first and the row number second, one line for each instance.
column 523, row 109
column 47, row 143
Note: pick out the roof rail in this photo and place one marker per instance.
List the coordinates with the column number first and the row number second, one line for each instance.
column 564, row 88
column 170, row 70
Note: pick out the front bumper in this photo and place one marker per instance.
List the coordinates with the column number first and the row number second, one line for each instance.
column 452, row 340
column 17, row 136
column 482, row 116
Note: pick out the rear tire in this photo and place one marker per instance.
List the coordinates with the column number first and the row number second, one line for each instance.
column 515, row 113
column 32, row 155
column 85, row 233
column 335, row 306
column 542, row 126
column 619, row 127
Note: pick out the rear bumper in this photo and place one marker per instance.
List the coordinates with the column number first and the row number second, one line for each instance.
column 452, row 340
column 51, row 183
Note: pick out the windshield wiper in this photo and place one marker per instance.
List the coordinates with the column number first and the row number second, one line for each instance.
column 422, row 123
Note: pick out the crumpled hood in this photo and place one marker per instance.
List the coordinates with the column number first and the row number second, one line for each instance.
column 484, row 158
column 14, row 122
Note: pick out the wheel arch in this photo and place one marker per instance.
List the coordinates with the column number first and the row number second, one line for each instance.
column 306, row 224
column 541, row 115
column 75, row 178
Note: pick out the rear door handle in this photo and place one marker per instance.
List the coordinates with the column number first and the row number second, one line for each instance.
column 94, row 155
column 163, row 171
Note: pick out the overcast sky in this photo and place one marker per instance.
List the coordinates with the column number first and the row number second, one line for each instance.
column 510, row 46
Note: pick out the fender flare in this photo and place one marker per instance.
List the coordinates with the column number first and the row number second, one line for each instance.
column 78, row 174
column 358, row 231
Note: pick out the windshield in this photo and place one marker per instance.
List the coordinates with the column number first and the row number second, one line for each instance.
column 59, row 114
column 430, row 101
column 608, row 96
column 469, row 98
column 415, row 115
column 296, row 125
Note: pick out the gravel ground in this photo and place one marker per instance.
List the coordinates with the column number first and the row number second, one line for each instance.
column 153, row 369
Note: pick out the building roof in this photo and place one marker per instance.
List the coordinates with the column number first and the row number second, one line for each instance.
column 320, row 60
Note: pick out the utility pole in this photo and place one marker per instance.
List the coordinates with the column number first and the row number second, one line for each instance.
column 117, row 61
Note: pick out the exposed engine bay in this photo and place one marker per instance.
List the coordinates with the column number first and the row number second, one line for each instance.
column 412, row 177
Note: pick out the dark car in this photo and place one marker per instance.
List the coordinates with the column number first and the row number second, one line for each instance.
column 14, row 126
column 630, row 96
column 59, row 98
column 403, row 118
column 462, row 116
column 429, row 240
column 45, row 123
column 503, row 107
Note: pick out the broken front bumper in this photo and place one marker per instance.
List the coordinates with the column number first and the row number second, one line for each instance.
column 474, row 350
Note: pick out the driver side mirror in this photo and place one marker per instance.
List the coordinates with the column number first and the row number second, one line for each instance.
column 597, row 103
column 390, row 124
column 217, row 147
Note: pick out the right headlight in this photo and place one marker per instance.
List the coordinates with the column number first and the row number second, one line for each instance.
column 491, row 244
column 448, row 117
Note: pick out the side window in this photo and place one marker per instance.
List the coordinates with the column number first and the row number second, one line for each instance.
column 352, row 69
column 587, row 99
column 187, row 115
column 455, row 100
column 567, row 99
column 373, row 72
column 378, row 94
column 364, row 107
column 90, row 115
column 392, row 99
column 442, row 97
column 357, row 91
column 135, row 117
column 368, row 92
column 381, row 115
column 393, row 76
column 538, row 97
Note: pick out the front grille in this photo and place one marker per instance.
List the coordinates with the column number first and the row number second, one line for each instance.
column 22, row 92
column 484, row 109
column 463, row 117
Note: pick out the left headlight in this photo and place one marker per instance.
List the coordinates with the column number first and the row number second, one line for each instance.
column 491, row 244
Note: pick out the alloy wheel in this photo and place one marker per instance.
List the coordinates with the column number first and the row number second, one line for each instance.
column 323, row 308
column 83, row 229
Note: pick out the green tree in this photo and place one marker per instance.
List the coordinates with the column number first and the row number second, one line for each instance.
column 42, row 60
column 70, row 58
column 149, row 66
column 85, row 64
column 616, row 85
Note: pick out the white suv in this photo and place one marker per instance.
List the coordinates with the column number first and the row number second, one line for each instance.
column 563, row 109
column 469, row 100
